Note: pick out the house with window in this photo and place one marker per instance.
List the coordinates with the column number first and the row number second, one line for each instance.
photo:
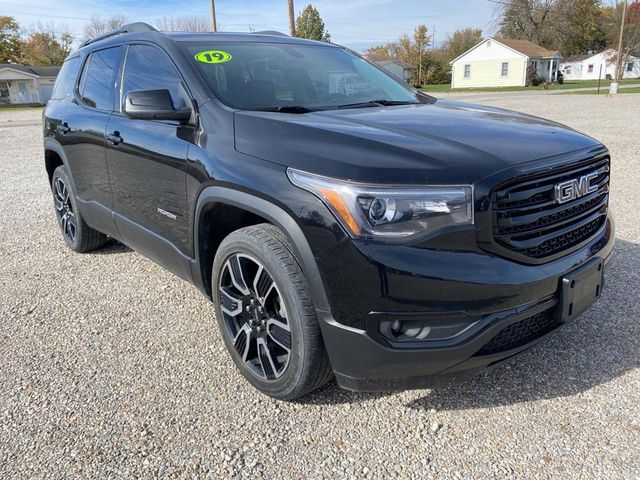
column 599, row 65
column 398, row 68
column 503, row 62
column 22, row 84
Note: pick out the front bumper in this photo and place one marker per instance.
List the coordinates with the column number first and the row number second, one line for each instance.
column 495, row 296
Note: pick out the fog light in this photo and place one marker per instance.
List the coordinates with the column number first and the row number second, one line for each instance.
column 397, row 330
column 421, row 329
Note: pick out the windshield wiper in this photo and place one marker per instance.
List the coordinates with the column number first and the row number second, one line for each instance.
column 286, row 109
column 377, row 103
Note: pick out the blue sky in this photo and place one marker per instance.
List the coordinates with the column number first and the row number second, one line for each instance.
column 354, row 23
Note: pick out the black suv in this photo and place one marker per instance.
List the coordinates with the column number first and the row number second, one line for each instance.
column 342, row 223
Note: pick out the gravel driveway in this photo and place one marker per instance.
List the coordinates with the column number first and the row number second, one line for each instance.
column 112, row 367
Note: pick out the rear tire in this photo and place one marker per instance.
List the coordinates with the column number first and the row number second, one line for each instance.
column 265, row 314
column 78, row 236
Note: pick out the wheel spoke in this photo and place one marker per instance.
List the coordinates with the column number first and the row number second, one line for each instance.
column 230, row 303
column 71, row 225
column 64, row 220
column 237, row 274
column 279, row 332
column 266, row 360
column 60, row 189
column 242, row 342
column 59, row 203
column 263, row 284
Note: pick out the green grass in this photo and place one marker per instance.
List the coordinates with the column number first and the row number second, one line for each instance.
column 21, row 106
column 566, row 85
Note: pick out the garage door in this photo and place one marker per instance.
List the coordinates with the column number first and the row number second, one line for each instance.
column 45, row 93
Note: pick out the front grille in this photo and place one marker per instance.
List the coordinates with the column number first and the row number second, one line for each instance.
column 520, row 333
column 529, row 221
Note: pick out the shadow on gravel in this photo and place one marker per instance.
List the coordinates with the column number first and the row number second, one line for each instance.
column 112, row 247
column 600, row 346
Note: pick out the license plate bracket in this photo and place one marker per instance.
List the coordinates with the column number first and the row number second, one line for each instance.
column 579, row 289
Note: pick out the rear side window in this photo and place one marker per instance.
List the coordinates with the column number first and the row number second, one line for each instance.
column 149, row 68
column 66, row 81
column 97, row 85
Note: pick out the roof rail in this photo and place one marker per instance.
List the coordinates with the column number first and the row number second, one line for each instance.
column 271, row 32
column 130, row 28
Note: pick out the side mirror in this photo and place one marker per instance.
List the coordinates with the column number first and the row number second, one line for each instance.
column 154, row 105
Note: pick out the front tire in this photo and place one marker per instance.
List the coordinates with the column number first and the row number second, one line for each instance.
column 265, row 314
column 78, row 236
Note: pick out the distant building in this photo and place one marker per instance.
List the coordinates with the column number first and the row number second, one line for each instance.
column 21, row 84
column 598, row 65
column 502, row 62
column 397, row 67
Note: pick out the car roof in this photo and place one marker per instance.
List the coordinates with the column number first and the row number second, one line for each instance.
column 143, row 31
column 241, row 37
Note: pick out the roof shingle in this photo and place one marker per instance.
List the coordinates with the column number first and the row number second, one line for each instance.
column 527, row 48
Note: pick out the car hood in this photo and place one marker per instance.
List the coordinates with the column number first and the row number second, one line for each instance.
column 442, row 142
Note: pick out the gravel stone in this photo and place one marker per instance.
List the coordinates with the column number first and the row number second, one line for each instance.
column 111, row 367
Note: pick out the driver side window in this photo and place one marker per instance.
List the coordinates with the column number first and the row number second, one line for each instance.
column 148, row 68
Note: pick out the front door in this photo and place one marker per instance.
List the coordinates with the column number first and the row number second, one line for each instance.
column 147, row 164
column 23, row 92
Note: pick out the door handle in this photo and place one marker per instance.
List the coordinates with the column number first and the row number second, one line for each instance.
column 63, row 128
column 114, row 138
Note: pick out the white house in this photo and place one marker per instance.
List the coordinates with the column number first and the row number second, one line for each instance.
column 21, row 84
column 598, row 65
column 501, row 62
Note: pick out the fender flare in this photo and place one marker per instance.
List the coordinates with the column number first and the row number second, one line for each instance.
column 277, row 216
column 54, row 146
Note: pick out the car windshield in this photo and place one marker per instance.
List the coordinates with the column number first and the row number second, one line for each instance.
column 294, row 78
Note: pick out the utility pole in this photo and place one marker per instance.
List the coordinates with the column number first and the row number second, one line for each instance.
column 292, row 19
column 613, row 88
column 214, row 24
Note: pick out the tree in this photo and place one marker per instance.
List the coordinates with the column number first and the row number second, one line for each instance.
column 44, row 48
column 9, row 40
column 411, row 50
column 570, row 26
column 631, row 35
column 97, row 26
column 46, row 45
column 459, row 42
column 310, row 25
column 183, row 24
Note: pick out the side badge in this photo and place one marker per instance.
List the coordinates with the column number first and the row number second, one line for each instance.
column 172, row 216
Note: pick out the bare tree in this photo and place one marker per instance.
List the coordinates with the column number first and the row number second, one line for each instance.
column 183, row 24
column 97, row 26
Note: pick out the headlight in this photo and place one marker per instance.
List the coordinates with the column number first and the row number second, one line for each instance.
column 389, row 212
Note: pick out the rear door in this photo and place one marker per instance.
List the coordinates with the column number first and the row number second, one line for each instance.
column 147, row 163
column 80, row 129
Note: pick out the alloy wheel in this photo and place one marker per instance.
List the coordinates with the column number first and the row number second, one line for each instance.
column 255, row 316
column 64, row 209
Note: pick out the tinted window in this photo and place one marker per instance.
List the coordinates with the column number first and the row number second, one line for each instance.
column 148, row 68
column 261, row 75
column 66, row 81
column 97, row 85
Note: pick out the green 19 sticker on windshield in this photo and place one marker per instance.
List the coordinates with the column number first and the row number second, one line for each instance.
column 213, row 56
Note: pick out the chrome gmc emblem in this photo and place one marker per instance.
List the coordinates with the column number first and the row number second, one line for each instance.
column 576, row 188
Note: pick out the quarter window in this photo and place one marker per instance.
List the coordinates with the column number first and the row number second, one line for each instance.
column 505, row 69
column 467, row 71
column 148, row 68
column 97, row 85
column 66, row 81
